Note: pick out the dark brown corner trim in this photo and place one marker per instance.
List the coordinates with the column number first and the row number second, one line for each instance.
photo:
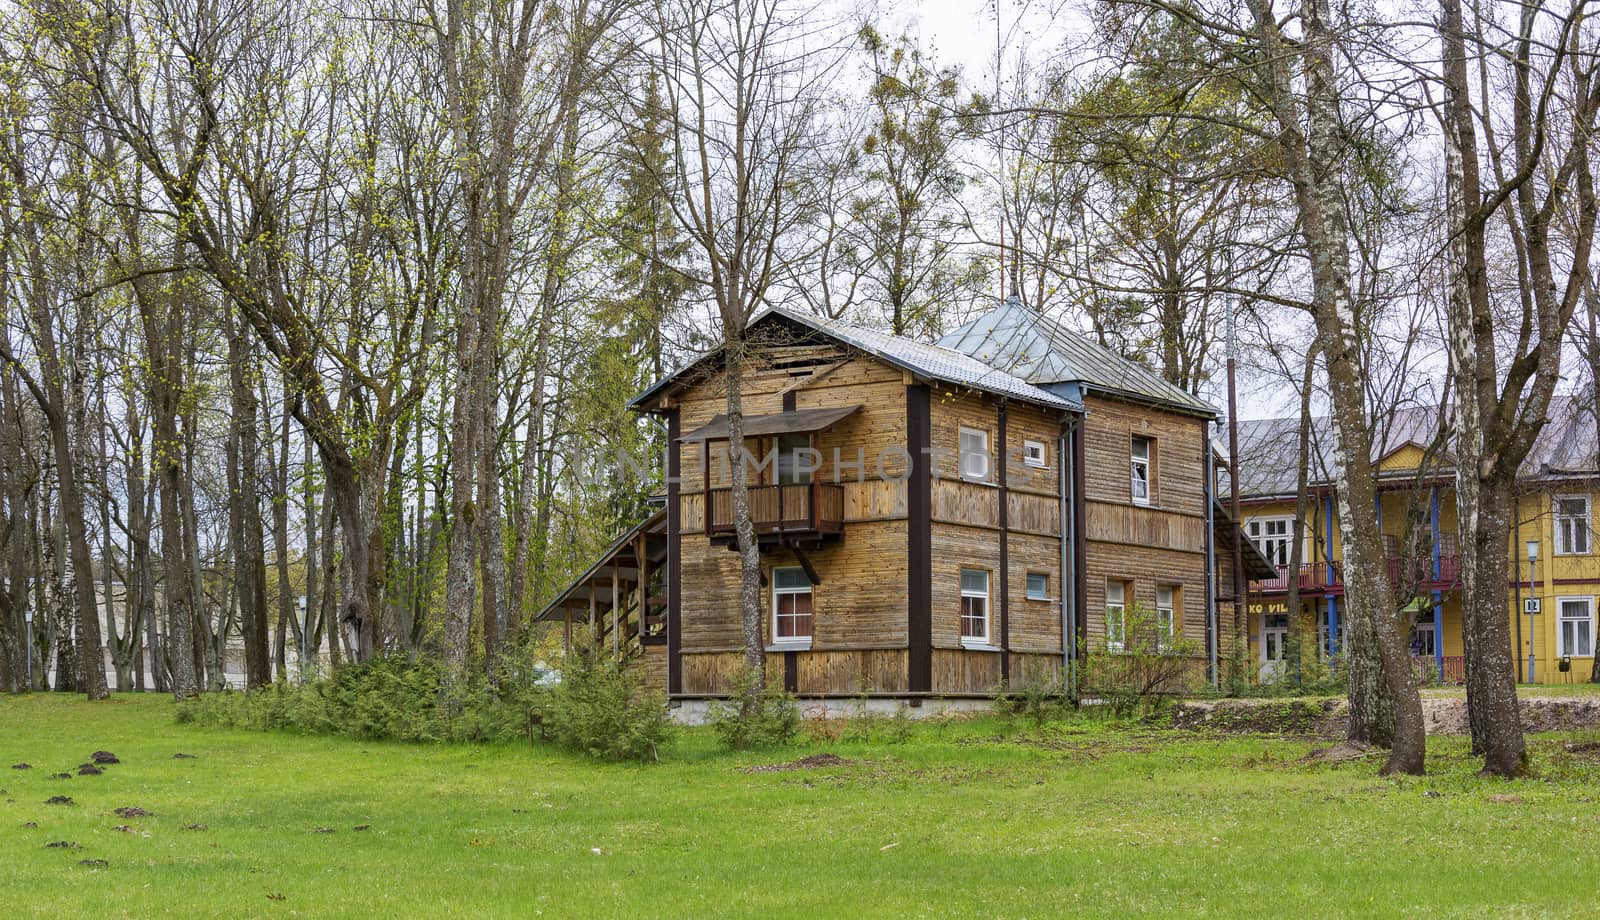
column 1080, row 547
column 674, row 555
column 1004, row 473
column 919, row 542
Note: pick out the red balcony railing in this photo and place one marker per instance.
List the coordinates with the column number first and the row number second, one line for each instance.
column 1312, row 576
column 1413, row 573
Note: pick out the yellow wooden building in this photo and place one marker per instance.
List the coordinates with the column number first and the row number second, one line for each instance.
column 1554, row 636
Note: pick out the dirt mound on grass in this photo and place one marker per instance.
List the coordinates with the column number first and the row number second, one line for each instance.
column 1316, row 718
column 1328, row 718
column 813, row 762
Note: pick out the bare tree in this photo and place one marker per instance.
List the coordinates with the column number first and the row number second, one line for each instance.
column 744, row 89
column 1540, row 174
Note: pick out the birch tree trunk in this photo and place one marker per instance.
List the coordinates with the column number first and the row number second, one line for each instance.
column 1384, row 705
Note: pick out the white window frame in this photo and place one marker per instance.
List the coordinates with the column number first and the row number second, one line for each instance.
column 1146, row 462
column 1273, row 546
column 1027, row 586
column 809, row 589
column 1116, row 638
column 982, row 453
column 1567, row 530
column 1167, row 614
column 1430, row 637
column 1562, row 620
column 985, row 595
column 1036, row 454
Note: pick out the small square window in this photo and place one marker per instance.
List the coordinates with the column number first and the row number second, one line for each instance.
column 1038, row 586
column 1033, row 453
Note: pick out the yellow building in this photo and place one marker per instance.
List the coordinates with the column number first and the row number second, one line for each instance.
column 1555, row 643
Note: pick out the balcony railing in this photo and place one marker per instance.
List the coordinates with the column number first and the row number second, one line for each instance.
column 1414, row 574
column 1313, row 578
column 806, row 508
column 1426, row 668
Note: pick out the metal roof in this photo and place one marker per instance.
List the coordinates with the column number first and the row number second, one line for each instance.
column 930, row 362
column 611, row 562
column 800, row 421
column 1039, row 349
column 1566, row 447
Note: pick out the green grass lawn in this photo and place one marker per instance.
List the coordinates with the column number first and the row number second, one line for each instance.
column 980, row 818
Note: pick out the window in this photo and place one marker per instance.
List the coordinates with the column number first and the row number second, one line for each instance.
column 974, row 454
column 1271, row 536
column 1142, row 450
column 1116, row 615
column 1166, row 614
column 791, row 605
column 1038, row 586
column 1572, row 525
column 974, row 606
column 1576, row 636
column 1033, row 454
column 794, row 466
column 1423, row 640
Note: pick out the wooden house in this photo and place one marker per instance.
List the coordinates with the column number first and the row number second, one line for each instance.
column 934, row 519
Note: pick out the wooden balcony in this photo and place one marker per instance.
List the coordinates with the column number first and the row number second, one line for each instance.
column 807, row 510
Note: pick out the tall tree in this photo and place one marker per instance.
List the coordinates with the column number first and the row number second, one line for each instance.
column 1541, row 174
column 745, row 93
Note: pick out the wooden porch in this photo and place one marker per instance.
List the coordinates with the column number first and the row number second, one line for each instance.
column 619, row 605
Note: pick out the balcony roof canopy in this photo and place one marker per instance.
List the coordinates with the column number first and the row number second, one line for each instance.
column 801, row 421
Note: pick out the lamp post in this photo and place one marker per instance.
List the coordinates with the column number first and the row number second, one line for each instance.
column 1533, row 594
column 27, row 621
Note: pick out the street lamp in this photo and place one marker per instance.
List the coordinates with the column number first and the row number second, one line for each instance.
column 1533, row 595
column 27, row 619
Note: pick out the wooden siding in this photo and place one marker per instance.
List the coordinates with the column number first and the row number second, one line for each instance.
column 1145, row 569
column 1162, row 544
column 1178, row 481
column 1035, row 624
column 835, row 673
column 860, row 603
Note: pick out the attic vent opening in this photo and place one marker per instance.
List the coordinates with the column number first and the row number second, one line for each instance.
column 799, row 366
column 801, row 360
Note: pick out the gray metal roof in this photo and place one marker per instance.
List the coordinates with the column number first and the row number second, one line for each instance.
column 931, row 362
column 1039, row 349
column 1567, row 446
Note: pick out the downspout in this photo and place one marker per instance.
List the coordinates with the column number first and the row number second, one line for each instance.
column 1211, row 561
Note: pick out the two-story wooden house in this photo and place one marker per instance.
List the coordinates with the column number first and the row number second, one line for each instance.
column 1416, row 512
column 934, row 519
